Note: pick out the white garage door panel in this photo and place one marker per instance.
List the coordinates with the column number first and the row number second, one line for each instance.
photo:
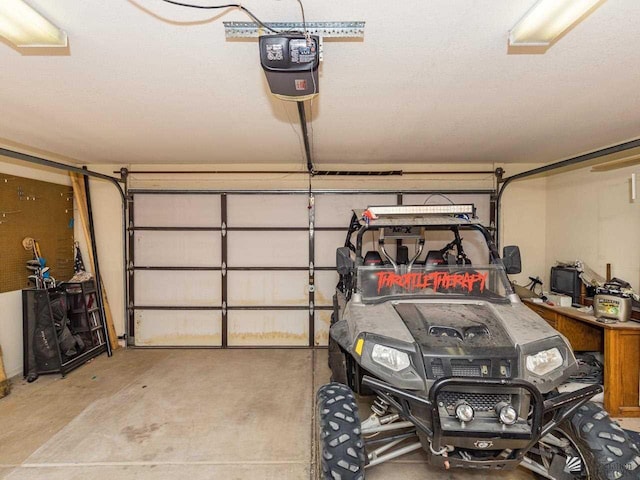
column 252, row 294
column 325, row 287
column 268, row 249
column 268, row 328
column 157, row 210
column 322, row 322
column 325, row 247
column 178, row 328
column 267, row 211
column 327, row 243
column 335, row 210
column 483, row 206
column 267, row 288
column 169, row 288
column 177, row 249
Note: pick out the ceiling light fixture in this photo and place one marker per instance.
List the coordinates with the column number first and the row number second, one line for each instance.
column 21, row 25
column 549, row 19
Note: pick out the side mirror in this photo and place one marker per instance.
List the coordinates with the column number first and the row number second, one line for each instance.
column 344, row 262
column 511, row 259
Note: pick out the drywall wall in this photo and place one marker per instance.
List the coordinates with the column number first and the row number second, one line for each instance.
column 591, row 217
column 11, row 302
column 523, row 221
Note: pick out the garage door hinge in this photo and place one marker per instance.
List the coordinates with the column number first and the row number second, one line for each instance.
column 224, row 269
column 311, row 308
column 224, row 308
column 224, row 229
column 310, row 268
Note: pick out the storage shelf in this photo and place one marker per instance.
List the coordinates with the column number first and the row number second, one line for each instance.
column 64, row 305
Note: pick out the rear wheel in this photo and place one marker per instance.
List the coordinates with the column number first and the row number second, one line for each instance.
column 588, row 446
column 341, row 448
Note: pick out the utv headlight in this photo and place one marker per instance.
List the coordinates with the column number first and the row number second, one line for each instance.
column 545, row 361
column 390, row 357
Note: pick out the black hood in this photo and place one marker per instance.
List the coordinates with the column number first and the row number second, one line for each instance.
column 467, row 332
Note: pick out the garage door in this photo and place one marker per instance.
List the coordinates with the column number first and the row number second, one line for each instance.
column 213, row 269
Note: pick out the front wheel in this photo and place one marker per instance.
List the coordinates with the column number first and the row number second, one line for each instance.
column 587, row 446
column 341, row 448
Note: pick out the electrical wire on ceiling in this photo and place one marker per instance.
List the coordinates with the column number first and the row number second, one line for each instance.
column 228, row 5
column 304, row 23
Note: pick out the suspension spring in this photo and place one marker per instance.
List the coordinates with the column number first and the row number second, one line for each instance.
column 380, row 406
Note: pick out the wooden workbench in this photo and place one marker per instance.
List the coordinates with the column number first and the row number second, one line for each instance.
column 620, row 344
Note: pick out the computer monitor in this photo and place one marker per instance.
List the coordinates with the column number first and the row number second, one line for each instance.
column 566, row 280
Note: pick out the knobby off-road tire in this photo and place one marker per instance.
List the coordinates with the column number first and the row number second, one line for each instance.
column 341, row 453
column 601, row 444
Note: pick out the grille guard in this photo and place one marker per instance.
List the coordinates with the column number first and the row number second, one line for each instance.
column 561, row 406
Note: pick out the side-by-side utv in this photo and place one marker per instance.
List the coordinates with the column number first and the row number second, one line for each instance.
column 426, row 327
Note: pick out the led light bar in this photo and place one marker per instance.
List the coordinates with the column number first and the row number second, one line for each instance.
column 462, row 209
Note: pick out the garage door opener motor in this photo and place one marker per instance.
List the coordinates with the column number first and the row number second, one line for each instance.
column 290, row 63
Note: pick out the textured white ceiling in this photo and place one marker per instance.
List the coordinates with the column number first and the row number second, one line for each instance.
column 432, row 82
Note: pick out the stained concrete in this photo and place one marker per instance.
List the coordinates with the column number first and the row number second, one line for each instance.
column 162, row 472
column 197, row 414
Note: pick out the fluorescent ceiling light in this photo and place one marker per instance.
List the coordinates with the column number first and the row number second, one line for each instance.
column 24, row 27
column 547, row 20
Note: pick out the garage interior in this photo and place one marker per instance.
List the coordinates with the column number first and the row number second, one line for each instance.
column 149, row 152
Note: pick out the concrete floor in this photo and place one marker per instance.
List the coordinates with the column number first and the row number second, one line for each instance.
column 168, row 414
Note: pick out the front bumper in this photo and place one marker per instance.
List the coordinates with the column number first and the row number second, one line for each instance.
column 507, row 443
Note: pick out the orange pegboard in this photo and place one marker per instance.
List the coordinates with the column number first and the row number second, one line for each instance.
column 43, row 211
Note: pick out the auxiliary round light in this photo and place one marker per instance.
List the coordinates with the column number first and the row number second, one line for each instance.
column 506, row 413
column 464, row 411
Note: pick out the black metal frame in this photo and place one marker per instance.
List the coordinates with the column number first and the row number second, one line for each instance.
column 559, row 408
column 311, row 307
column 96, row 266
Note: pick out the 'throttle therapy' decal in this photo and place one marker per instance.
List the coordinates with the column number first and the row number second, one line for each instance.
column 435, row 280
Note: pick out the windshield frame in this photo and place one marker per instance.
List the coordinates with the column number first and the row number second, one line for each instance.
column 452, row 224
column 423, row 276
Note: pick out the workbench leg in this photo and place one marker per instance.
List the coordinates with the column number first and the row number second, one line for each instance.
column 622, row 372
column 612, row 365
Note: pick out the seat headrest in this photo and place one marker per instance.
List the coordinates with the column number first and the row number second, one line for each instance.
column 434, row 257
column 402, row 257
column 372, row 258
